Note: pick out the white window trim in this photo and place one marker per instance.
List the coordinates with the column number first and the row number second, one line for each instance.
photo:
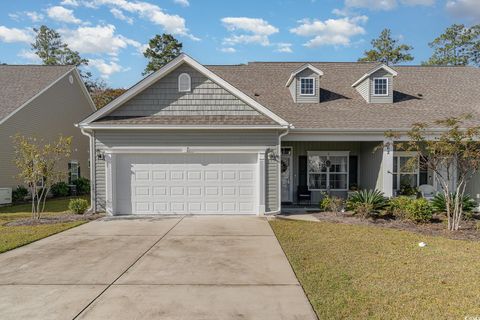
column 314, row 86
column 388, row 87
column 327, row 173
column 396, row 171
column 189, row 82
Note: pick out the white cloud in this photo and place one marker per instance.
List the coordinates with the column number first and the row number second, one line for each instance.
column 34, row 16
column 183, row 3
column 73, row 3
column 173, row 24
column 252, row 30
column 330, row 32
column 469, row 9
column 15, row 35
column 106, row 69
column 61, row 14
column 228, row 50
column 29, row 56
column 385, row 4
column 99, row 39
column 119, row 15
column 284, row 47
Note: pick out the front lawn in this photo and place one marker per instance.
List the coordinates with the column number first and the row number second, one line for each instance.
column 15, row 236
column 363, row 272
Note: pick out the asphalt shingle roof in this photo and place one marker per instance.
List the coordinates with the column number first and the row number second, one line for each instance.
column 421, row 93
column 19, row 83
column 190, row 120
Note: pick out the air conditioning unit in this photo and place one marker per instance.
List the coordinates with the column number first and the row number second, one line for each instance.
column 5, row 195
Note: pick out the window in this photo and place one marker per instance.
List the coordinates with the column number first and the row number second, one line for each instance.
column 404, row 174
column 73, row 171
column 307, row 86
column 380, row 86
column 327, row 170
column 184, row 83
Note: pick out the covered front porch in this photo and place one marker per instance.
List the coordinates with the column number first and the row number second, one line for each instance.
column 338, row 167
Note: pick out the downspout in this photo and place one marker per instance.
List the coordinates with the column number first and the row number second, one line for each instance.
column 279, row 180
column 93, row 204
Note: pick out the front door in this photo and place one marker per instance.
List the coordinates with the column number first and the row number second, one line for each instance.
column 287, row 177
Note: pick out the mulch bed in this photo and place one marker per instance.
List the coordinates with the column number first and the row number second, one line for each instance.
column 63, row 218
column 468, row 229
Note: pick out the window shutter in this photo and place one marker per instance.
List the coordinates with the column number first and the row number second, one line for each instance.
column 302, row 170
column 69, row 173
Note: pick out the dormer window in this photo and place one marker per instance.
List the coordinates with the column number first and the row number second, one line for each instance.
column 380, row 86
column 307, row 86
column 184, row 83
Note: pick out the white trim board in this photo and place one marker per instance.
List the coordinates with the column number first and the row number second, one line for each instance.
column 172, row 65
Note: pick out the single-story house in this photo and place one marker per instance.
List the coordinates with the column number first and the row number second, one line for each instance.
column 245, row 139
column 42, row 102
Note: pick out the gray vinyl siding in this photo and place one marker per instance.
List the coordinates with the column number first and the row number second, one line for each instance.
column 473, row 188
column 205, row 98
column 381, row 99
column 369, row 162
column 304, row 98
column 364, row 89
column 105, row 139
column 54, row 112
column 371, row 166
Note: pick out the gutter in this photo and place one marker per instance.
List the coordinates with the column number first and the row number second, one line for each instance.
column 157, row 127
column 279, row 180
column 93, row 202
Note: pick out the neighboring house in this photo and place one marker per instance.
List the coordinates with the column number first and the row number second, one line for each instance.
column 244, row 138
column 43, row 102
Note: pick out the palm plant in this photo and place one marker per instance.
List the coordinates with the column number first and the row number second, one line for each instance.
column 439, row 203
column 367, row 200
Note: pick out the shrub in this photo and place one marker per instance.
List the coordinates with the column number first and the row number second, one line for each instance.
column 19, row 194
column 419, row 210
column 398, row 206
column 364, row 210
column 373, row 197
column 439, row 205
column 83, row 186
column 60, row 189
column 334, row 204
column 78, row 206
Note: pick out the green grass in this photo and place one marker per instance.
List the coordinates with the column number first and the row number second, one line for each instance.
column 361, row 272
column 12, row 237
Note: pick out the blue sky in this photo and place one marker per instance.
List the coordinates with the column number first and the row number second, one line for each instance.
column 112, row 33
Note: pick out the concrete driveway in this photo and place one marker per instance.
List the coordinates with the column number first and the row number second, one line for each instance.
column 194, row 267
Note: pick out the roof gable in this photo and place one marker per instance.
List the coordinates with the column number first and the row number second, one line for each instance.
column 23, row 83
column 297, row 71
column 372, row 71
column 166, row 70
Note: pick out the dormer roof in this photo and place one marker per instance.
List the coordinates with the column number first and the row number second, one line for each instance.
column 297, row 71
column 372, row 71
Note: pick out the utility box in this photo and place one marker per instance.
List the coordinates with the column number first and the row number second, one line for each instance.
column 5, row 196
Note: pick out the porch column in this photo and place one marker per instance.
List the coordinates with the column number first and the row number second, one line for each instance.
column 387, row 168
column 261, row 183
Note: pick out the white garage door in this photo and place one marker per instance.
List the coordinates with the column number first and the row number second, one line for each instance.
column 186, row 184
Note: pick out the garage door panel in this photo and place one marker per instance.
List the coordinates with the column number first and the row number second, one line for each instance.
column 182, row 184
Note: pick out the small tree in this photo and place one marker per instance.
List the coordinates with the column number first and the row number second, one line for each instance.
column 387, row 50
column 452, row 155
column 38, row 164
column 161, row 50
